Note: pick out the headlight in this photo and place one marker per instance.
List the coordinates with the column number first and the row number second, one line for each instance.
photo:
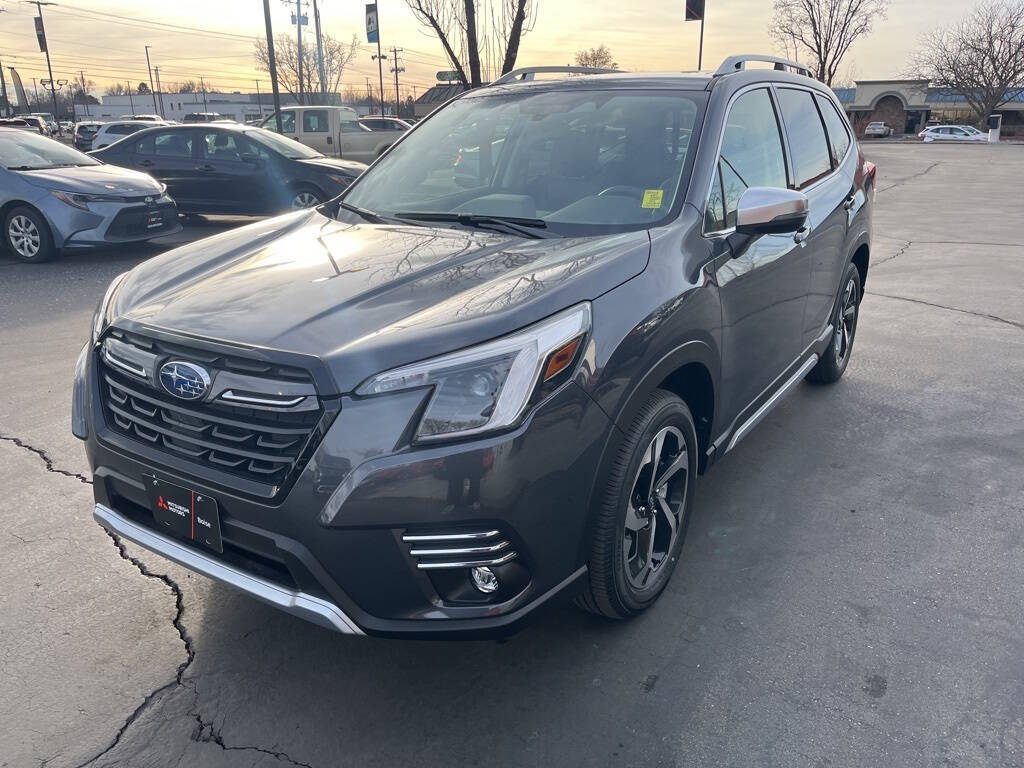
column 489, row 387
column 342, row 180
column 79, row 200
column 99, row 319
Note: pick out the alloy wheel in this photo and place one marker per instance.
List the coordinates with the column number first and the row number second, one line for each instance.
column 846, row 324
column 656, row 507
column 304, row 200
column 24, row 236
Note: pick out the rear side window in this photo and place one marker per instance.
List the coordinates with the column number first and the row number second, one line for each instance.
column 315, row 121
column 751, row 156
column 838, row 136
column 811, row 154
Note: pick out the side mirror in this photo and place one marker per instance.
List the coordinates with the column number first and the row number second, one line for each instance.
column 771, row 210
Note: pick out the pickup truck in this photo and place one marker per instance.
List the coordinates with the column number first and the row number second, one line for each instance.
column 338, row 131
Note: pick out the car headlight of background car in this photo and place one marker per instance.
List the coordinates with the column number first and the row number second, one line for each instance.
column 81, row 200
column 341, row 180
column 490, row 386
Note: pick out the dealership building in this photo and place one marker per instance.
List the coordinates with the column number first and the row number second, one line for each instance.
column 906, row 106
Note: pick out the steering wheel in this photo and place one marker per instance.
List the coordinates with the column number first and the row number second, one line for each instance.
column 621, row 190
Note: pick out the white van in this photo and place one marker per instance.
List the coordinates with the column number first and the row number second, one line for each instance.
column 334, row 131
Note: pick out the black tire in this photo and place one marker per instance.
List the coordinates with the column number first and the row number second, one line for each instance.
column 612, row 590
column 836, row 357
column 311, row 194
column 27, row 235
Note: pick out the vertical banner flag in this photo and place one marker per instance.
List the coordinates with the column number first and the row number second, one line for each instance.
column 40, row 34
column 371, row 23
column 694, row 10
column 19, row 89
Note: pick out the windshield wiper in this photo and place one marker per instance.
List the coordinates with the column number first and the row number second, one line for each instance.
column 362, row 212
column 26, row 167
column 517, row 225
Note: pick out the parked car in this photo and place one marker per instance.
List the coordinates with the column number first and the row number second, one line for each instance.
column 66, row 125
column 145, row 118
column 83, row 134
column 227, row 168
column 51, row 124
column 952, row 133
column 201, row 117
column 16, row 122
column 110, row 133
column 55, row 198
column 877, row 131
column 37, row 124
column 337, row 131
column 430, row 408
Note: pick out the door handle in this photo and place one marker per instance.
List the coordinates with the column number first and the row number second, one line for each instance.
column 848, row 202
column 205, row 168
column 800, row 236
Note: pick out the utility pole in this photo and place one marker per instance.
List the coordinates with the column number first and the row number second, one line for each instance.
column 161, row 110
column 379, row 58
column 369, row 96
column 3, row 85
column 41, row 34
column 259, row 99
column 202, row 87
column 320, row 54
column 298, row 27
column 273, row 65
column 152, row 88
column 85, row 95
column 131, row 103
column 35, row 87
column 396, row 69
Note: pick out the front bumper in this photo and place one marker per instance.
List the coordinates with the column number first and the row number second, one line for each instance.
column 329, row 546
column 107, row 222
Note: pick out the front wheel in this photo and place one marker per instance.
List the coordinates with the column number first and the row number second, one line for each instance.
column 836, row 357
column 305, row 197
column 28, row 235
column 641, row 524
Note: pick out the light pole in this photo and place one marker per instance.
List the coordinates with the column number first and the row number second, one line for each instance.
column 272, row 63
column 152, row 88
column 41, row 34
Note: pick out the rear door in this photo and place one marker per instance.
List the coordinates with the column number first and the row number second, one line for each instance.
column 315, row 130
column 762, row 280
column 167, row 157
column 828, row 189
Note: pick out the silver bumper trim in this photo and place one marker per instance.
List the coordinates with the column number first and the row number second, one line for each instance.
column 300, row 604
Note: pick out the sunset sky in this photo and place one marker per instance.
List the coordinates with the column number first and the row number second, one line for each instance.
column 105, row 38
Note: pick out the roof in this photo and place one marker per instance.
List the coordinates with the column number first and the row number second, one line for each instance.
column 845, row 95
column 440, row 93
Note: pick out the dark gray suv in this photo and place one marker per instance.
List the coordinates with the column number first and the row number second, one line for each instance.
column 491, row 372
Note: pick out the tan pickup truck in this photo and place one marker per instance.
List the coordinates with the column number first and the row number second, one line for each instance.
column 339, row 131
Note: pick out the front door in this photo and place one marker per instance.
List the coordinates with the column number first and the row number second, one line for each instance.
column 316, row 131
column 167, row 157
column 231, row 173
column 762, row 280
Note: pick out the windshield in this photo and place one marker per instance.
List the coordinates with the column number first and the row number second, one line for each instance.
column 25, row 151
column 581, row 161
column 282, row 144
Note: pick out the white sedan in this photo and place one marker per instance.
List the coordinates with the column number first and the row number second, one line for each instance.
column 952, row 133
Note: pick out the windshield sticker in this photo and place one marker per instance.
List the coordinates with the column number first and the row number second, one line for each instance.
column 652, row 198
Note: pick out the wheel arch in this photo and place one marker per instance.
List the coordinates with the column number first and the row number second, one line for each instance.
column 10, row 205
column 860, row 259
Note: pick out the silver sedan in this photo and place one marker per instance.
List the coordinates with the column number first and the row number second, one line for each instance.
column 54, row 198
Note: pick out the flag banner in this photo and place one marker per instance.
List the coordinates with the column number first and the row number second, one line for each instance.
column 19, row 89
column 694, row 10
column 40, row 34
column 371, row 23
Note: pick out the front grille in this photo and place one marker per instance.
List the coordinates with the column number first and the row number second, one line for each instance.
column 265, row 444
column 435, row 550
column 135, row 221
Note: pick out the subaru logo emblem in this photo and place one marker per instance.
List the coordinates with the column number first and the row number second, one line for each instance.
column 185, row 380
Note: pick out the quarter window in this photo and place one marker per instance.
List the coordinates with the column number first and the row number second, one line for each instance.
column 751, row 156
column 811, row 154
column 838, row 136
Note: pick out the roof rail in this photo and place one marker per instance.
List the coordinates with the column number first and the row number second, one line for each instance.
column 734, row 63
column 527, row 73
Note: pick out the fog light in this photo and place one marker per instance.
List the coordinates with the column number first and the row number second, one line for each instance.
column 484, row 579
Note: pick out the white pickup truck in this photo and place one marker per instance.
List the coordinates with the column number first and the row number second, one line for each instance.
column 339, row 131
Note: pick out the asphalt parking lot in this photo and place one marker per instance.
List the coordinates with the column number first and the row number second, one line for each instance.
column 849, row 593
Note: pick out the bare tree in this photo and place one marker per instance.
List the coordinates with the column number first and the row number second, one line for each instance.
column 596, row 57
column 824, row 29
column 337, row 56
column 115, row 89
column 471, row 31
column 981, row 57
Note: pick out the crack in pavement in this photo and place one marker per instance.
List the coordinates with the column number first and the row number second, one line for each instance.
column 205, row 732
column 911, row 177
column 996, row 318
column 903, row 249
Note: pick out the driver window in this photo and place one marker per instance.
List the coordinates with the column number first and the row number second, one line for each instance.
column 751, row 156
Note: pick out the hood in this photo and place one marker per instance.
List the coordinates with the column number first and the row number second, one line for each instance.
column 365, row 297
column 94, row 180
column 330, row 165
